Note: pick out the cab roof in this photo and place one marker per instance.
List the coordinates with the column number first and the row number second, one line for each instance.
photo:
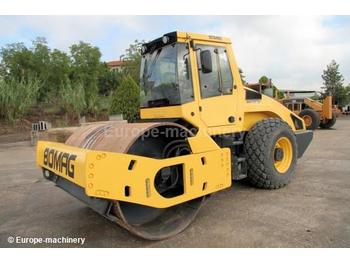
column 175, row 36
column 210, row 38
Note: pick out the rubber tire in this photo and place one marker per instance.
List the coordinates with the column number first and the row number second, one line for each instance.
column 314, row 116
column 259, row 149
column 329, row 122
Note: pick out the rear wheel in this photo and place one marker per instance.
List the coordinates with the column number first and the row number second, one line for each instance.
column 329, row 122
column 311, row 118
column 271, row 152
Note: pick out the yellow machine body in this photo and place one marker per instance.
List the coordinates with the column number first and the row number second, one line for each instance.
column 324, row 109
column 106, row 175
column 212, row 114
column 95, row 171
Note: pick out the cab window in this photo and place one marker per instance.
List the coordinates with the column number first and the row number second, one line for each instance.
column 219, row 81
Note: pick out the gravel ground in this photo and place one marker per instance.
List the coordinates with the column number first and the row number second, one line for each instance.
column 312, row 211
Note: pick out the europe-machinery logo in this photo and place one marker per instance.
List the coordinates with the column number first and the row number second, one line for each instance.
column 60, row 161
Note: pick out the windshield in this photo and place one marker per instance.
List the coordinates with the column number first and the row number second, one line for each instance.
column 165, row 77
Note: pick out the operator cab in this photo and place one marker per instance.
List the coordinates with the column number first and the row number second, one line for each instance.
column 190, row 77
column 166, row 78
column 165, row 73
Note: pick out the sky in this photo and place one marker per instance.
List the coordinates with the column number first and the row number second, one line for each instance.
column 292, row 50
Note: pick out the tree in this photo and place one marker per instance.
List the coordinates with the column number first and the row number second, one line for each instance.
column 343, row 96
column 347, row 91
column 79, row 71
column 108, row 80
column 268, row 82
column 85, row 70
column 264, row 80
column 59, row 71
column 126, row 99
column 16, row 61
column 22, row 63
column 132, row 60
column 333, row 83
column 17, row 96
column 72, row 99
column 40, row 58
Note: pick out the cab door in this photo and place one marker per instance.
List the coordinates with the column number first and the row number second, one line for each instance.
column 217, row 96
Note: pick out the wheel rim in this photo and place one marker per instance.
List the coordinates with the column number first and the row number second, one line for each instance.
column 283, row 154
column 308, row 120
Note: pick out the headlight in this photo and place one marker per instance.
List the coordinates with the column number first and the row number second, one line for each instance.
column 165, row 39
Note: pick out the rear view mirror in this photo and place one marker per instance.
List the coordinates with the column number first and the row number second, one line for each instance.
column 206, row 63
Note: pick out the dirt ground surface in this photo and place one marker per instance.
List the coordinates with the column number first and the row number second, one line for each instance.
column 312, row 211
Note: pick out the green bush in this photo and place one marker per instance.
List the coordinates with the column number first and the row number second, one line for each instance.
column 104, row 102
column 126, row 99
column 72, row 98
column 264, row 80
column 108, row 80
column 16, row 97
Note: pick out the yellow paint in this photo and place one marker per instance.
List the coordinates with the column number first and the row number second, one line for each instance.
column 215, row 111
column 202, row 142
column 106, row 174
column 327, row 107
column 308, row 120
column 324, row 110
column 79, row 163
column 285, row 145
column 264, row 108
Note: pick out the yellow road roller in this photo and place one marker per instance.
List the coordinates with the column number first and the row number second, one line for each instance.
column 200, row 129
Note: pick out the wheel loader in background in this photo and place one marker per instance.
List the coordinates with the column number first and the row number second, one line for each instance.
column 314, row 113
column 200, row 129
